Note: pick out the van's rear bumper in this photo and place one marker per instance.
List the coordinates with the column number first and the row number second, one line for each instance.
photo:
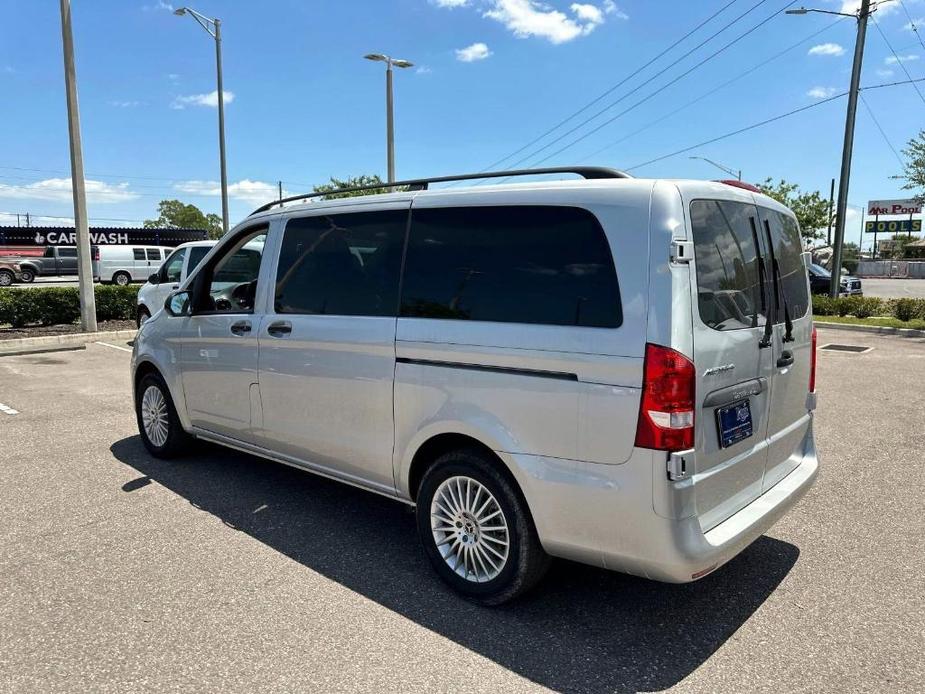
column 604, row 515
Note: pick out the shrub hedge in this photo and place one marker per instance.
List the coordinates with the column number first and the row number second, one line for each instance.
column 867, row 306
column 57, row 305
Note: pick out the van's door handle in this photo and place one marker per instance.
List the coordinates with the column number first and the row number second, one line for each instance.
column 785, row 359
column 280, row 328
column 242, row 327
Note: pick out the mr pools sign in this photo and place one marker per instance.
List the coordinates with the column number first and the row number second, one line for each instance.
column 893, row 207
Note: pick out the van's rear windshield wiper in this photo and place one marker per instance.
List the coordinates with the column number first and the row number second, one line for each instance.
column 765, row 340
column 779, row 292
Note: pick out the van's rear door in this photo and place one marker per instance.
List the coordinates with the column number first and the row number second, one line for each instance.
column 789, row 417
column 732, row 355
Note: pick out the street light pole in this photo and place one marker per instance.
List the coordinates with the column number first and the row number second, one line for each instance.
column 84, row 260
column 389, row 116
column 214, row 28
column 848, row 146
column 732, row 172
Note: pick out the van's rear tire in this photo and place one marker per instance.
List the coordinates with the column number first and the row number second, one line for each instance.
column 142, row 315
column 158, row 423
column 121, row 278
column 476, row 529
column 27, row 275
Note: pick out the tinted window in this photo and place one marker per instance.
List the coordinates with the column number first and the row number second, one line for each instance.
column 154, row 254
column 139, row 253
column 67, row 252
column 173, row 266
column 525, row 264
column 728, row 287
column 788, row 253
column 344, row 264
column 196, row 254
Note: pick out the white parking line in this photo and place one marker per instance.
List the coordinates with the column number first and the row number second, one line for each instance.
column 6, row 409
column 106, row 344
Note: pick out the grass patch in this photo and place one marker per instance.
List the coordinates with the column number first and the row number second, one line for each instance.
column 877, row 321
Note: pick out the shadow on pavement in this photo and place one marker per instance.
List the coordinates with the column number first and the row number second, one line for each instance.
column 582, row 629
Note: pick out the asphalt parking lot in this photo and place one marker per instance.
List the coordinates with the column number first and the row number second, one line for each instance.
column 225, row 572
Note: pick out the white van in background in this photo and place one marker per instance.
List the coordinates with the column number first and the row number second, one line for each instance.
column 169, row 277
column 124, row 264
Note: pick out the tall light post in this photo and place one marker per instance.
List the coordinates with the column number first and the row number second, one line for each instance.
column 84, row 265
column 389, row 123
column 862, row 15
column 214, row 29
column 732, row 172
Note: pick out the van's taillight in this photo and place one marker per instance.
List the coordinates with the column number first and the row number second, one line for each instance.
column 666, row 411
column 812, row 364
column 96, row 252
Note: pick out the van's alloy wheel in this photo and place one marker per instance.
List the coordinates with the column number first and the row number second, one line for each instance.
column 469, row 529
column 154, row 415
column 476, row 527
column 121, row 279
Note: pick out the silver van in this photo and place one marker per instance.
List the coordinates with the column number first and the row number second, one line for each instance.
column 125, row 264
column 613, row 370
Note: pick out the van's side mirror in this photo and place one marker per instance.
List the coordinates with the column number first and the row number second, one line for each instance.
column 178, row 303
column 154, row 278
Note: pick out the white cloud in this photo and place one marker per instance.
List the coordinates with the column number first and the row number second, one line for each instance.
column 881, row 72
column 893, row 59
column 59, row 190
column 469, row 54
column 827, row 49
column 124, row 104
column 610, row 7
column 210, row 99
column 822, row 92
column 528, row 18
column 883, row 9
column 256, row 192
column 422, row 70
column 450, row 3
column 173, row 77
column 159, row 5
column 10, row 219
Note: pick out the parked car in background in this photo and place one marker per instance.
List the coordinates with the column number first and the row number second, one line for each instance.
column 56, row 261
column 10, row 271
column 820, row 282
column 169, row 276
column 615, row 371
column 125, row 264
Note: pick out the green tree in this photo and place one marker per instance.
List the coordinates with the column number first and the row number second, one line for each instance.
column 811, row 209
column 354, row 182
column 914, row 173
column 173, row 214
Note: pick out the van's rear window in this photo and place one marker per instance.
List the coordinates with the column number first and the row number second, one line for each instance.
column 728, row 281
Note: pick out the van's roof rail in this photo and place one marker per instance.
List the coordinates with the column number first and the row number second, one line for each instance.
column 588, row 172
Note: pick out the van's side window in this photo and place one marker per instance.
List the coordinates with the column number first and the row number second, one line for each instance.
column 341, row 264
column 154, row 254
column 788, row 249
column 516, row 264
column 138, row 253
column 196, row 254
column 232, row 278
column 173, row 266
column 728, row 280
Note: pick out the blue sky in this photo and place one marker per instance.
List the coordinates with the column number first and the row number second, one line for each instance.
column 489, row 77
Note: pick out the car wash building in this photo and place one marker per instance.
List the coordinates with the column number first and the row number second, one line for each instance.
column 26, row 241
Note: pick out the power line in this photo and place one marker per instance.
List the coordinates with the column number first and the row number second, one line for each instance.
column 882, row 132
column 36, row 215
column 664, row 86
column 561, row 137
column 766, row 122
column 713, row 91
column 915, row 29
column 898, row 59
column 614, row 87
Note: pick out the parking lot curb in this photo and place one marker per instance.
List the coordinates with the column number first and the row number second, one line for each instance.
column 59, row 343
column 876, row 329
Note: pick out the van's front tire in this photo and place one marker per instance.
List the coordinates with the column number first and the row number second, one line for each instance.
column 476, row 529
column 158, row 423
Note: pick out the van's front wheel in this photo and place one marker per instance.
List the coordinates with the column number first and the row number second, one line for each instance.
column 121, row 278
column 476, row 529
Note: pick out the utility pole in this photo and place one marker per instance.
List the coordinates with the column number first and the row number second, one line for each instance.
column 28, row 220
column 280, row 190
column 84, row 269
column 848, row 147
column 831, row 210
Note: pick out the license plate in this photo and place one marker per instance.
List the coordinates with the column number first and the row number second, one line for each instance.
column 734, row 423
